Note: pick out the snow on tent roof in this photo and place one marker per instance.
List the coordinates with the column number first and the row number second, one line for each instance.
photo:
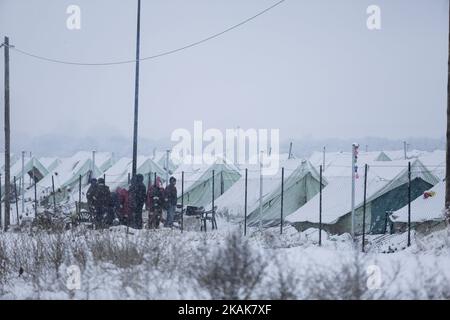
column 336, row 196
column 160, row 158
column 435, row 162
column 424, row 208
column 233, row 199
column 194, row 172
column 50, row 163
column 32, row 165
column 104, row 160
column 29, row 164
column 382, row 157
column 400, row 154
column 117, row 175
column 338, row 164
column 69, row 171
column 300, row 185
column 198, row 180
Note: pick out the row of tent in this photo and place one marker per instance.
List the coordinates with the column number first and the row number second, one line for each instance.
column 67, row 174
column 224, row 184
column 386, row 192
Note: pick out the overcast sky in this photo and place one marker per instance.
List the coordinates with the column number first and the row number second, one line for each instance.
column 307, row 67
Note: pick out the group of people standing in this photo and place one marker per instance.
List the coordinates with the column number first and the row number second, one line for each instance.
column 127, row 205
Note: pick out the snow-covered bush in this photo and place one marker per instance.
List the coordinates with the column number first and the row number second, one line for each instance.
column 346, row 279
column 118, row 263
column 232, row 271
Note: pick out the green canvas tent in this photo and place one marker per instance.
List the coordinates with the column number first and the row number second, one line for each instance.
column 300, row 185
column 387, row 191
column 198, row 181
column 66, row 177
column 32, row 168
column 382, row 157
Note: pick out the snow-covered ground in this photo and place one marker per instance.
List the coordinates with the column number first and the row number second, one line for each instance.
column 168, row 264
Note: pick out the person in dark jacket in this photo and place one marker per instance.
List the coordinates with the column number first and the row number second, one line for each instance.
column 103, row 203
column 155, row 203
column 91, row 196
column 171, row 200
column 137, row 194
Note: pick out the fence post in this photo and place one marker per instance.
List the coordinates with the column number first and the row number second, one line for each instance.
column 54, row 194
column 1, row 204
column 212, row 207
column 182, row 200
column 129, row 178
column 154, row 180
column 364, row 208
column 320, row 204
column 409, row 203
column 149, row 182
column 35, row 197
column 282, row 199
column 222, row 187
column 104, row 178
column 79, row 194
column 245, row 203
column 17, row 201
column 213, row 189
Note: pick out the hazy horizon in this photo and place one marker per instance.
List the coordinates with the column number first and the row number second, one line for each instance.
column 309, row 68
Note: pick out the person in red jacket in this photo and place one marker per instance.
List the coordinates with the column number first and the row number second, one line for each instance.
column 123, row 205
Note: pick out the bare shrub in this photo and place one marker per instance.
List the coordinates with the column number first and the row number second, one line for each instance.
column 56, row 251
column 121, row 252
column 430, row 283
column 284, row 283
column 4, row 264
column 233, row 271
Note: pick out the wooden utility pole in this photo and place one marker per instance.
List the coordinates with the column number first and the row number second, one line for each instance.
column 136, row 90
column 447, row 162
column 7, row 138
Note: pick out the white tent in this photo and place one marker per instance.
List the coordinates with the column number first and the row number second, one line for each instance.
column 50, row 163
column 32, row 168
column 383, row 157
column 427, row 207
column 104, row 160
column 386, row 191
column 435, row 162
column 160, row 158
column 300, row 185
column 117, row 175
column 400, row 154
column 198, row 181
column 67, row 174
column 298, row 189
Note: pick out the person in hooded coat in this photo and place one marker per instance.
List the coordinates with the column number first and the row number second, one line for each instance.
column 155, row 203
column 91, row 196
column 171, row 200
column 103, row 203
column 137, row 196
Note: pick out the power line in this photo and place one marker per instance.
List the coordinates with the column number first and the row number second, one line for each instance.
column 154, row 56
